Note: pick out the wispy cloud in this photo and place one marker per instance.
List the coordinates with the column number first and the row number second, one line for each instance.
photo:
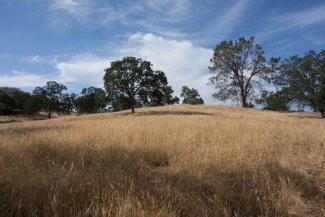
column 5, row 55
column 232, row 17
column 40, row 59
column 226, row 23
column 295, row 20
column 78, row 9
column 34, row 59
column 127, row 12
column 302, row 19
column 170, row 9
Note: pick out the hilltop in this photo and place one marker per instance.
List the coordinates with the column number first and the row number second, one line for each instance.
column 165, row 161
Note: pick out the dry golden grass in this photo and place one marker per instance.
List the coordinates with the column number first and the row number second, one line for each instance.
column 168, row 161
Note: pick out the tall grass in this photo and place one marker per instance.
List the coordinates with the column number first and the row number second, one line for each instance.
column 169, row 161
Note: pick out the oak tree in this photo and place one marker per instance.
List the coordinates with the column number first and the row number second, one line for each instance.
column 238, row 67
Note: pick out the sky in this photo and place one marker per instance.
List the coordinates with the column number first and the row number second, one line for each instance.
column 73, row 41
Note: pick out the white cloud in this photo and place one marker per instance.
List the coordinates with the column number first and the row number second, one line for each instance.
column 22, row 79
column 183, row 63
column 85, row 68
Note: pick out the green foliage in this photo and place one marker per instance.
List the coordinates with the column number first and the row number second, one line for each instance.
column 191, row 96
column 302, row 79
column 132, row 82
column 33, row 105
column 67, row 103
column 277, row 101
column 168, row 98
column 51, row 95
column 238, row 67
column 12, row 100
column 91, row 100
column 120, row 103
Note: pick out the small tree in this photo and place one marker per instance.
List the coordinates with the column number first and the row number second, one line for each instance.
column 51, row 95
column 238, row 67
column 134, row 81
column 168, row 98
column 191, row 96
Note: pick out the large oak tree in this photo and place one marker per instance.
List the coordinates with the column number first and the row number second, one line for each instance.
column 133, row 81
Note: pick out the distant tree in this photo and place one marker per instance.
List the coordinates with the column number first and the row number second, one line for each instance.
column 67, row 103
column 6, row 103
column 276, row 101
column 32, row 105
column 191, row 96
column 133, row 82
column 168, row 98
column 51, row 95
column 91, row 100
column 12, row 100
column 239, row 67
column 302, row 79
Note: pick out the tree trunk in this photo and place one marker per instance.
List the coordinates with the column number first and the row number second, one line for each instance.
column 243, row 97
column 132, row 108
column 49, row 114
column 243, row 101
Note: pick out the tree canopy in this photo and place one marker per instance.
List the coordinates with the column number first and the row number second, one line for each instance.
column 238, row 66
column 191, row 96
column 91, row 100
column 302, row 80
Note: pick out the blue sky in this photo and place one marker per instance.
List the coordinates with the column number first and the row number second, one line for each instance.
column 73, row 41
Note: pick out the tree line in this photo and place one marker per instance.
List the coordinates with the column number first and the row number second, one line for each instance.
column 240, row 72
column 129, row 83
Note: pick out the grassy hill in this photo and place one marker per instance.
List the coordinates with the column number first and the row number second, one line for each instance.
column 168, row 161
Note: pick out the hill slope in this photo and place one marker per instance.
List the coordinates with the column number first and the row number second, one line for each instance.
column 168, row 161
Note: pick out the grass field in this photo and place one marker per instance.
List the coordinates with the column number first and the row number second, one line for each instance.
column 168, row 161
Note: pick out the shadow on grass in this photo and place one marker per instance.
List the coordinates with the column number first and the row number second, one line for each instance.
column 157, row 113
column 53, row 181
column 21, row 131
